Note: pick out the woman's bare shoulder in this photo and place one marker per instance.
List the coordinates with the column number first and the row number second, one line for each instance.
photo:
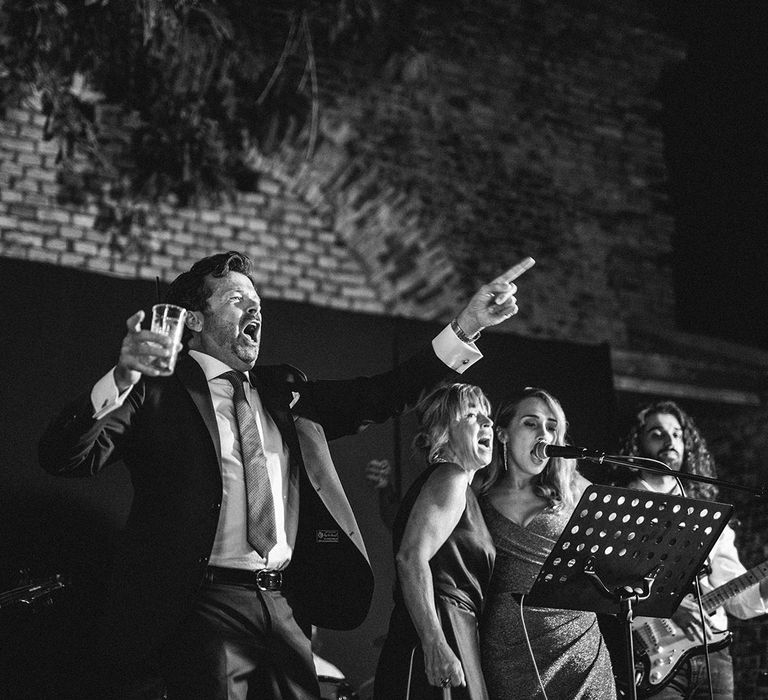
column 580, row 484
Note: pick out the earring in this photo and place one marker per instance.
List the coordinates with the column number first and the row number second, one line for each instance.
column 504, row 456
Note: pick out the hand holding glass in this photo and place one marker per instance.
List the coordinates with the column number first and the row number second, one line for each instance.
column 168, row 319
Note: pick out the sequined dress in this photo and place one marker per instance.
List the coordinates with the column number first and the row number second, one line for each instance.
column 569, row 650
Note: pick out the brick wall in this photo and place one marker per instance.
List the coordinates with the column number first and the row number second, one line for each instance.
column 298, row 256
column 739, row 441
column 525, row 128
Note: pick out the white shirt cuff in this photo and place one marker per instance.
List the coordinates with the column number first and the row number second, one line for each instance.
column 105, row 396
column 455, row 353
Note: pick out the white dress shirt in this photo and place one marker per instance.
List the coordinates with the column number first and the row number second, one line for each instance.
column 726, row 566
column 230, row 547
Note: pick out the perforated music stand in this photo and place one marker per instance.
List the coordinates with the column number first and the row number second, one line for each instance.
column 626, row 552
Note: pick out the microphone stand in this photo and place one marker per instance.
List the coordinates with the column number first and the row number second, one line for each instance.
column 657, row 467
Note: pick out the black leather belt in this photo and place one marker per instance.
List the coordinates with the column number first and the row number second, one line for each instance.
column 263, row 579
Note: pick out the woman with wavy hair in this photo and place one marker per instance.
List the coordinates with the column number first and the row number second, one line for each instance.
column 444, row 557
column 527, row 501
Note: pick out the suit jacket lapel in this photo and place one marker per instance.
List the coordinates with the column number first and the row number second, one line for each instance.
column 192, row 377
column 306, row 441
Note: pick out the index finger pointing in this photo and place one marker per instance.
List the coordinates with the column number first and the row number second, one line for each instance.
column 514, row 272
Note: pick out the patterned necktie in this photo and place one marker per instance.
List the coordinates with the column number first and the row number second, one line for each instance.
column 261, row 509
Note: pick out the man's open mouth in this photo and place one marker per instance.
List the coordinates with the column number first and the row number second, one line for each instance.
column 252, row 331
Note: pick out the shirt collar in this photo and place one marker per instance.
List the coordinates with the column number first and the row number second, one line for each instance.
column 211, row 366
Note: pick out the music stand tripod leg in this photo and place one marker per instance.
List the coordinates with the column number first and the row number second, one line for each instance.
column 625, row 596
column 627, row 615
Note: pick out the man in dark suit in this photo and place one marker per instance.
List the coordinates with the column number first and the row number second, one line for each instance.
column 221, row 616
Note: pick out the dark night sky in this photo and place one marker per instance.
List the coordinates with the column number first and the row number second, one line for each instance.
column 715, row 122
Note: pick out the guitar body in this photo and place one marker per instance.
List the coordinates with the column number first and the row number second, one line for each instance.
column 661, row 646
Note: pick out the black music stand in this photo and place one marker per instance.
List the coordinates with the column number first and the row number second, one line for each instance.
column 626, row 552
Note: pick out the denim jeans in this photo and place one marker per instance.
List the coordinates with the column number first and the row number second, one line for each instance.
column 690, row 680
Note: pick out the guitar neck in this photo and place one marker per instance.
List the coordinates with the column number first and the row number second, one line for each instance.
column 717, row 597
column 29, row 593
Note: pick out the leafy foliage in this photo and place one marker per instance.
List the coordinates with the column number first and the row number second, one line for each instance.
column 200, row 82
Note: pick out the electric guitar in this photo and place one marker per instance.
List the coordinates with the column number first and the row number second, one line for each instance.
column 31, row 596
column 661, row 645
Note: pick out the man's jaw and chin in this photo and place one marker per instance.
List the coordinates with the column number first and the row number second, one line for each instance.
column 671, row 459
column 246, row 359
column 239, row 357
column 247, row 348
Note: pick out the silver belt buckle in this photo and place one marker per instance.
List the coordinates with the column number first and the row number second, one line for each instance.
column 269, row 580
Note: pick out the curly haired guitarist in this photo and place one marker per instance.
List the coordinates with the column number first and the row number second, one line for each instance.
column 675, row 661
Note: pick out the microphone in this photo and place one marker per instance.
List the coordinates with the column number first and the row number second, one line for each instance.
column 542, row 450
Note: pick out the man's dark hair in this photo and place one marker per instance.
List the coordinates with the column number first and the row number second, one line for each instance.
column 697, row 458
column 190, row 290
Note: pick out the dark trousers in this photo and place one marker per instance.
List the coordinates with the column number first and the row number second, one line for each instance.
column 241, row 643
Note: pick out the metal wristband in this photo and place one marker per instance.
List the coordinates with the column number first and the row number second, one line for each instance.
column 461, row 335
